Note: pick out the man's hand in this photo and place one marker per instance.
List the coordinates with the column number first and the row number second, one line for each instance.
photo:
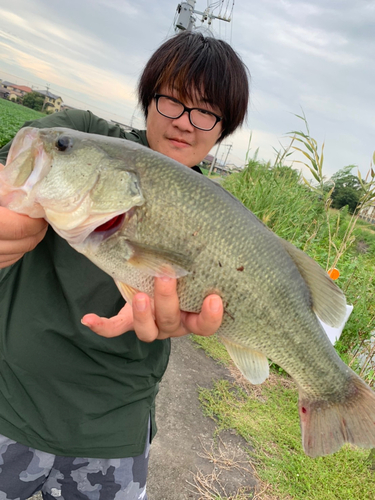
column 160, row 318
column 18, row 234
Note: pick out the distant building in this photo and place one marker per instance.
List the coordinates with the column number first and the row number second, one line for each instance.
column 219, row 167
column 15, row 95
column 231, row 167
column 4, row 93
column 368, row 214
column 64, row 107
column 226, row 169
column 52, row 102
column 20, row 90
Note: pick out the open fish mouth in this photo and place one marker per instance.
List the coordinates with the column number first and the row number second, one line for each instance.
column 92, row 230
column 111, row 225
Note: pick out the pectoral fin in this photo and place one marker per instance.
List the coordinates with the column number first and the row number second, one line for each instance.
column 329, row 302
column 158, row 262
column 126, row 291
column 252, row 364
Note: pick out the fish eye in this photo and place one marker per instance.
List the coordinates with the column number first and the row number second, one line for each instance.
column 64, row 142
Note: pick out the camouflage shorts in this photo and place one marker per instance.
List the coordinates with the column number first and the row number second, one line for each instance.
column 25, row 471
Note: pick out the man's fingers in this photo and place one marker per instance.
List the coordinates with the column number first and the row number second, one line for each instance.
column 208, row 321
column 17, row 226
column 144, row 320
column 110, row 327
column 161, row 318
column 21, row 246
column 167, row 306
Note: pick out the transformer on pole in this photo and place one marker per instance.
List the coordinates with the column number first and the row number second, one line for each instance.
column 186, row 19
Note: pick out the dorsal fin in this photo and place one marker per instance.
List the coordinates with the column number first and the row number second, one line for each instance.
column 329, row 302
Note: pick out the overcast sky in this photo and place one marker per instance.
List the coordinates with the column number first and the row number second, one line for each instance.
column 318, row 56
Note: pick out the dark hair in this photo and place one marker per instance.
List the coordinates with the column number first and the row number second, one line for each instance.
column 196, row 65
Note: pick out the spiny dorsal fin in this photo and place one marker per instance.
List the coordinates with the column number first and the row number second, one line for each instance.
column 329, row 302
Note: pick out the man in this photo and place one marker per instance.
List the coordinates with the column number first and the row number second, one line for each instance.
column 65, row 393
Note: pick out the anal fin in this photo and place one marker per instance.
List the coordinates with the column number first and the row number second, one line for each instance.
column 252, row 364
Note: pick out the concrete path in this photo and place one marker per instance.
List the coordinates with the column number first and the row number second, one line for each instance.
column 187, row 460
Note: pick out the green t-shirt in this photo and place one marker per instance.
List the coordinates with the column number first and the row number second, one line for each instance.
column 64, row 389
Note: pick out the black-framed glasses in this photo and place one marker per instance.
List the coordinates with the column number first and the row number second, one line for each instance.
column 173, row 108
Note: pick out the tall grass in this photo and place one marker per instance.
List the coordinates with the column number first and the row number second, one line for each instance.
column 277, row 196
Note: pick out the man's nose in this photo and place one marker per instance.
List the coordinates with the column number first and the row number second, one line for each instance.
column 184, row 121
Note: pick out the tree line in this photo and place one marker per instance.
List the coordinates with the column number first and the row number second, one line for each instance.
column 347, row 190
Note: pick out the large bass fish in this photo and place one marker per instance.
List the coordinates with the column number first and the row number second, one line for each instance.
column 138, row 214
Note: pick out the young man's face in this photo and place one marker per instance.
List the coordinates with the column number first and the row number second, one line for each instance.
column 178, row 138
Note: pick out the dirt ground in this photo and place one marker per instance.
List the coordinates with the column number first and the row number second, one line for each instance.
column 188, row 461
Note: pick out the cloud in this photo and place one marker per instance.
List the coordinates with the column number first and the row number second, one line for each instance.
column 93, row 84
column 61, row 38
column 307, row 54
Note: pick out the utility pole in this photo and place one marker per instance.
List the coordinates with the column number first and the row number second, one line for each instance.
column 229, row 148
column 214, row 160
column 186, row 19
column 45, row 97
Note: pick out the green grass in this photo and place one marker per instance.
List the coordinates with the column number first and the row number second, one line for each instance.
column 280, row 200
column 213, row 348
column 206, row 171
column 12, row 117
column 267, row 417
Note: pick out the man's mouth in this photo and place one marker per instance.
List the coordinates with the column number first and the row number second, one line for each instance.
column 178, row 141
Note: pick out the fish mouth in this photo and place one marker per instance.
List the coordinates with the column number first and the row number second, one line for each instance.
column 88, row 230
column 111, row 226
column 94, row 235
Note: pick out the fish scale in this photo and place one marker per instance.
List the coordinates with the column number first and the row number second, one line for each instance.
column 178, row 223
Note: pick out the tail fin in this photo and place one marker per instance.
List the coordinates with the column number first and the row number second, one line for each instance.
column 326, row 425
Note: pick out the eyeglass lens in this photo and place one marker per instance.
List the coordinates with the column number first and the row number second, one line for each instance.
column 173, row 109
